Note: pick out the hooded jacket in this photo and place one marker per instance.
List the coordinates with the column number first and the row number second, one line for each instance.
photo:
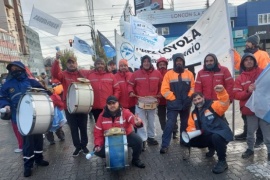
column 209, row 119
column 177, row 88
column 207, row 79
column 243, row 81
column 162, row 100
column 14, row 89
column 66, row 77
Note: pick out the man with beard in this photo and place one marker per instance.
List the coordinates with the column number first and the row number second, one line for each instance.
column 177, row 88
column 18, row 82
column 243, row 89
column 162, row 64
column 211, row 75
column 104, row 85
column 207, row 117
column 262, row 57
column 146, row 82
column 122, row 77
column 78, row 121
column 114, row 115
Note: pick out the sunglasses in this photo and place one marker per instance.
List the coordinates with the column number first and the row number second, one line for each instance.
column 111, row 102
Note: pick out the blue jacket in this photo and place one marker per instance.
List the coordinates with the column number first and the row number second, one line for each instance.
column 12, row 91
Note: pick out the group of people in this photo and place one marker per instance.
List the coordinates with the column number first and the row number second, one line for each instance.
column 117, row 95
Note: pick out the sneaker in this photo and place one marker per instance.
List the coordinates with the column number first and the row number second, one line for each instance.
column 258, row 143
column 210, row 153
column 52, row 142
column 77, row 152
column 242, row 136
column 27, row 172
column 42, row 163
column 18, row 150
column 144, row 146
column 175, row 136
column 220, row 167
column 85, row 150
column 247, row 154
column 138, row 163
column 152, row 141
column 62, row 139
column 163, row 150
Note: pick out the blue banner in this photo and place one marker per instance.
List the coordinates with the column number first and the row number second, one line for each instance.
column 107, row 45
column 82, row 46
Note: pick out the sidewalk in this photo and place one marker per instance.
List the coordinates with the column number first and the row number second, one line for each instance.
column 158, row 167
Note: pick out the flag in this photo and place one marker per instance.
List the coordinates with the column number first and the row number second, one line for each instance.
column 259, row 101
column 82, row 46
column 107, row 45
column 126, row 50
column 44, row 21
column 143, row 34
column 210, row 34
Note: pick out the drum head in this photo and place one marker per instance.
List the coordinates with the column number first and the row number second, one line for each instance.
column 72, row 100
column 25, row 115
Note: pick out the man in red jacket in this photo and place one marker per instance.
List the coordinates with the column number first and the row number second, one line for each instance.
column 122, row 77
column 104, row 85
column 162, row 64
column 146, row 82
column 111, row 117
column 243, row 88
column 78, row 121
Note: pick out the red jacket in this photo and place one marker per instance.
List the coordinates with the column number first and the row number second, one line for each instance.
column 57, row 101
column 241, row 85
column 145, row 83
column 104, row 85
column 105, row 122
column 122, row 80
column 66, row 77
column 207, row 80
column 162, row 100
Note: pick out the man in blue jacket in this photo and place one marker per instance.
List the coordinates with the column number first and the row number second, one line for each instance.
column 16, row 85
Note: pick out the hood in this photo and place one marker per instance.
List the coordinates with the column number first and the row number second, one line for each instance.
column 216, row 68
column 162, row 59
column 178, row 55
column 146, row 57
column 15, row 63
column 243, row 58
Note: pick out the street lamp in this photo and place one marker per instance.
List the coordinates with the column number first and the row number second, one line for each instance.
column 93, row 36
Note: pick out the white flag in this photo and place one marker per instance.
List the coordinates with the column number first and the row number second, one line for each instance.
column 126, row 50
column 45, row 22
column 259, row 101
column 210, row 34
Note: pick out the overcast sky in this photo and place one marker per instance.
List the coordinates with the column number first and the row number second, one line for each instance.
column 72, row 12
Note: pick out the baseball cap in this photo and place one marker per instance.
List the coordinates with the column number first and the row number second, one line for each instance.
column 111, row 99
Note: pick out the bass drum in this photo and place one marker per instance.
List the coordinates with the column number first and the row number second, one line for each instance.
column 80, row 98
column 34, row 113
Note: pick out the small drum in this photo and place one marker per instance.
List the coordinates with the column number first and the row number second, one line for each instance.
column 80, row 97
column 147, row 102
column 116, row 149
column 34, row 113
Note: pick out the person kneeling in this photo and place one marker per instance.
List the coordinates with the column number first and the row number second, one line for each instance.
column 111, row 117
column 216, row 134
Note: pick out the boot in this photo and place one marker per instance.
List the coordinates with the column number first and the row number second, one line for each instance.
column 144, row 146
column 243, row 135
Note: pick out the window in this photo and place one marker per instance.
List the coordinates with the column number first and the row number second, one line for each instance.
column 163, row 31
column 264, row 19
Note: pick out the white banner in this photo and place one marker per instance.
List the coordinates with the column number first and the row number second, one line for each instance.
column 45, row 22
column 210, row 34
column 259, row 102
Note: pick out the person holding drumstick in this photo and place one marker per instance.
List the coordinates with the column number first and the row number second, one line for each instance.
column 146, row 82
column 18, row 82
column 77, row 121
column 111, row 117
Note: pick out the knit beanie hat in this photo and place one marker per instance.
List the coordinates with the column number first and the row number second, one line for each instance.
column 254, row 39
column 123, row 61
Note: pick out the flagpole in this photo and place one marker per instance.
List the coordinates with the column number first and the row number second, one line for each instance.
column 116, row 58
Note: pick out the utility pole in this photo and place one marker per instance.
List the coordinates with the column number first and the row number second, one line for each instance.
column 207, row 4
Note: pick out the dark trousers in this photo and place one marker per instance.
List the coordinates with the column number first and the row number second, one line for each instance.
column 259, row 135
column 78, row 122
column 32, row 149
column 134, row 141
column 59, row 133
column 162, row 118
column 212, row 141
column 170, row 124
column 96, row 113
